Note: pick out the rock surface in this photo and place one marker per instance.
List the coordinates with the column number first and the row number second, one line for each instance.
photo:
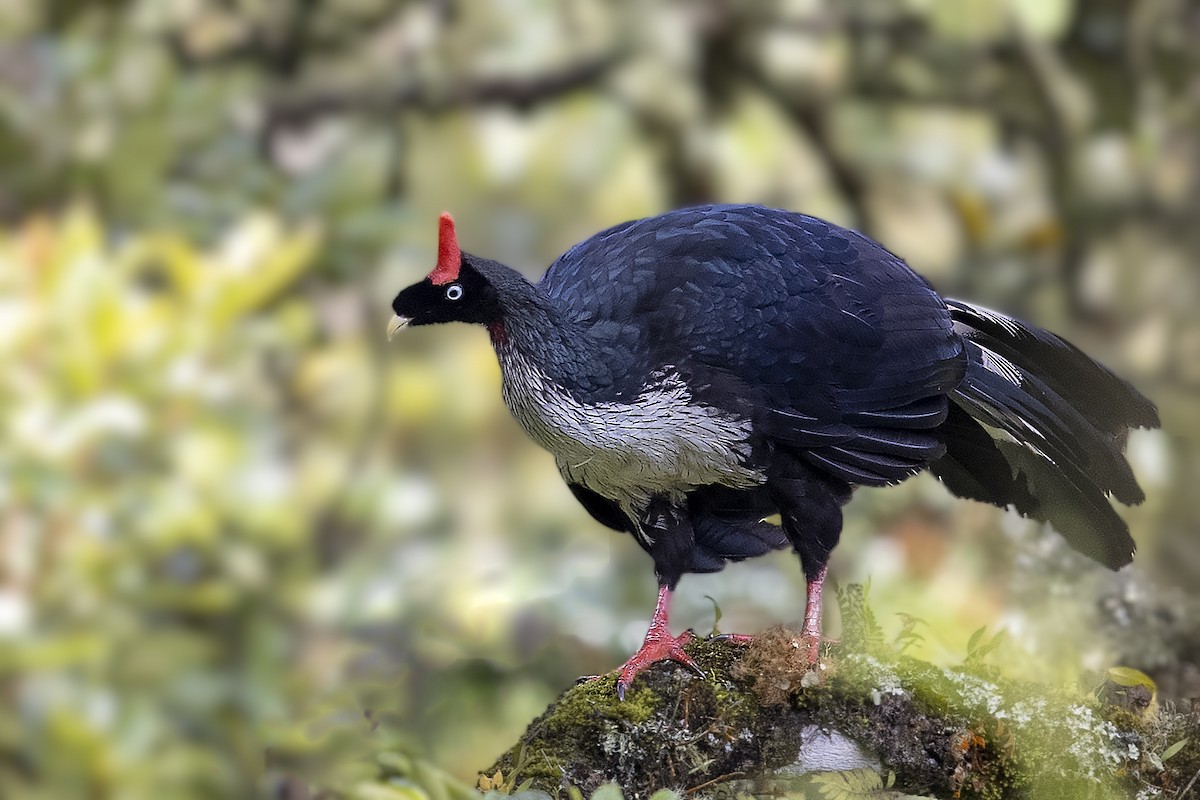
column 761, row 722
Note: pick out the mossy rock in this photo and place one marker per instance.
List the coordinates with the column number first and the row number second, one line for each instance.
column 672, row 726
column 761, row 722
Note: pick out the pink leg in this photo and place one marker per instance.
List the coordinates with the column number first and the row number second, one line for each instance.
column 740, row 639
column 810, row 634
column 659, row 645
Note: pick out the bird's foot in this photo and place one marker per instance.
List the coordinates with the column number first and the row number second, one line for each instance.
column 659, row 646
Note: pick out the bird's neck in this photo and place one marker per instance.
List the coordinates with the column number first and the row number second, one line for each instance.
column 529, row 320
column 533, row 331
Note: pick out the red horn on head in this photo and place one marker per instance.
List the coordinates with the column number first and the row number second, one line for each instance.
column 449, row 256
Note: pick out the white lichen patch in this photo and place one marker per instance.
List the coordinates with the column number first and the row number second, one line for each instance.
column 1023, row 712
column 883, row 678
column 974, row 693
column 1096, row 744
column 1094, row 748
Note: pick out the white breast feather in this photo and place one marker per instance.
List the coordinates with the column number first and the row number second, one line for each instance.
column 660, row 443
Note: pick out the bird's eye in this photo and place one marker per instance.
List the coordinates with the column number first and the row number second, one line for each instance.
column 454, row 291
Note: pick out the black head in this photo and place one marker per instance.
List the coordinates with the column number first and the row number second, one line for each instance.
column 456, row 290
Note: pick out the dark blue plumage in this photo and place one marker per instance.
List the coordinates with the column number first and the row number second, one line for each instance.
column 831, row 336
column 698, row 371
column 812, row 314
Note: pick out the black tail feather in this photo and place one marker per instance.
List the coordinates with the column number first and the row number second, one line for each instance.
column 1110, row 403
column 1060, row 421
column 974, row 468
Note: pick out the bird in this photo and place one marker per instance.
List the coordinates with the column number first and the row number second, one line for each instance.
column 697, row 372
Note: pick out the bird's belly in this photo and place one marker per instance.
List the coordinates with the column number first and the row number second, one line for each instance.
column 660, row 443
column 648, row 467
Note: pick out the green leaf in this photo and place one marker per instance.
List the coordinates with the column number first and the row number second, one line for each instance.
column 1128, row 676
column 973, row 642
column 857, row 784
column 376, row 791
column 609, row 791
column 1174, row 749
column 977, row 649
column 908, row 635
column 665, row 794
column 716, row 613
column 431, row 779
column 530, row 794
column 997, row 640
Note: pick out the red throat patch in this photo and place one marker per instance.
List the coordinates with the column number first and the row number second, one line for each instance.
column 449, row 256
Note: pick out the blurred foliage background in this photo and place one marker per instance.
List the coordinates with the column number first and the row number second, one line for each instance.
column 246, row 550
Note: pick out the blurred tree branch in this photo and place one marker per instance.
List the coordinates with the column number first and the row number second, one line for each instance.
column 810, row 115
column 521, row 92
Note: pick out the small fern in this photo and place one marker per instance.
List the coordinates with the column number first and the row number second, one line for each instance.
column 978, row 649
column 716, row 631
column 859, row 784
column 860, row 629
column 855, row 784
column 908, row 635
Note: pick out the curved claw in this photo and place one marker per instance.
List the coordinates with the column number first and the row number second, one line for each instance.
column 667, row 648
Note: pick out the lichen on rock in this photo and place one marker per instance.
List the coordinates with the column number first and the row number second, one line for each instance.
column 761, row 721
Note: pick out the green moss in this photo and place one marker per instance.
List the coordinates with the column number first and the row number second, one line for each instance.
column 965, row 732
column 584, row 718
column 672, row 726
column 597, row 699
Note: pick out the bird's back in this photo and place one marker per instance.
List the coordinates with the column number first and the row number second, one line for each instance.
column 827, row 333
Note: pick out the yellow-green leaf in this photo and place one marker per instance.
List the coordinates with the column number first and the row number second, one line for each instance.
column 1174, row 749
column 1128, row 676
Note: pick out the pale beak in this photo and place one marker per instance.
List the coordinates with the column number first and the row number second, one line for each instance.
column 396, row 324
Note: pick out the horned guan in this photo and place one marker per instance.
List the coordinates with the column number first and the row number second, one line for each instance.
column 696, row 372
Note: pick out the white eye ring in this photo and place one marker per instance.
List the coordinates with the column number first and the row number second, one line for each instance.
column 454, row 291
